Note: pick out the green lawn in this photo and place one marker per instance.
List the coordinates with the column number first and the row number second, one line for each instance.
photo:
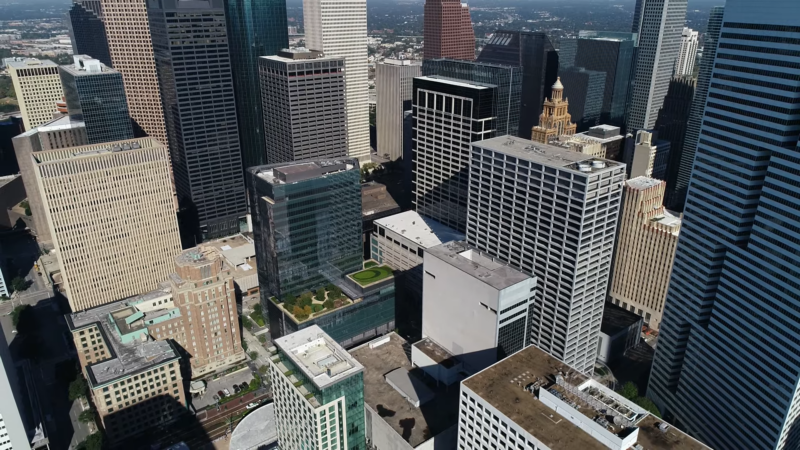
column 369, row 264
column 371, row 275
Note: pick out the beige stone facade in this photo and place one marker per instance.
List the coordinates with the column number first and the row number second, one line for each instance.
column 554, row 121
column 109, row 209
column 38, row 88
column 648, row 236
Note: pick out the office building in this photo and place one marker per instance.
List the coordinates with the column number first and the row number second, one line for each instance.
column 38, row 88
column 13, row 431
column 684, row 65
column 318, row 393
column 658, row 25
column 393, row 97
column 304, row 106
column 647, row 156
column 255, row 28
column 555, row 119
column 620, row 331
column 447, row 30
column 676, row 197
column 131, row 48
column 555, row 219
column 535, row 54
column 490, row 301
column 586, row 91
column 10, row 127
column 443, row 109
column 135, row 383
column 671, row 125
column 609, row 138
column 339, row 30
column 88, row 32
column 95, row 95
column 200, row 116
column 539, row 402
column 109, row 211
column 648, row 236
column 731, row 311
column 376, row 203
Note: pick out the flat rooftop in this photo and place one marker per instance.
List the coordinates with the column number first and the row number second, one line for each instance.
column 436, row 416
column 299, row 55
column 60, row 124
column 461, row 256
column 616, row 319
column 455, row 82
column 546, row 154
column 423, row 231
column 300, row 171
column 321, row 359
column 29, row 63
column 376, row 200
column 87, row 151
column 503, row 386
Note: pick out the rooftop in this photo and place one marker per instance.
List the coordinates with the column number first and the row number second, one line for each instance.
column 321, row 359
column 300, row 171
column 617, row 319
column 371, row 275
column 602, row 133
column 92, row 150
column 60, row 124
column 85, row 65
column 436, row 352
column 8, row 179
column 460, row 255
column 507, row 386
column 298, row 55
column 28, row 63
column 376, row 200
column 402, row 62
column 548, row 155
column 454, row 82
column 642, row 183
column 423, row 231
column 435, row 416
column 239, row 252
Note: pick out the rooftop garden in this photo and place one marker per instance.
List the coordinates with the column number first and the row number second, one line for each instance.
column 371, row 275
column 313, row 304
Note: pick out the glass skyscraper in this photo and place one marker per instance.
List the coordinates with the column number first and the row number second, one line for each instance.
column 727, row 366
column 255, row 28
column 88, row 33
column 585, row 90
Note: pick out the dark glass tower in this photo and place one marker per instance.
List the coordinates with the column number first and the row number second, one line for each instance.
column 671, row 126
column 584, row 89
column 255, row 28
column 88, row 33
column 194, row 71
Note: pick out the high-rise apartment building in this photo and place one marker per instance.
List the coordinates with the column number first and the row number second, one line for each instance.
column 534, row 53
column 554, row 121
column 131, row 48
column 449, row 115
column 727, row 350
column 550, row 213
column 255, row 28
column 648, row 235
column 393, row 97
column 671, row 125
column 586, row 90
column 38, row 88
column 200, row 111
column 447, row 30
column 110, row 214
column 658, row 24
column 88, row 32
column 676, row 197
column 684, row 64
column 318, row 391
column 339, row 29
column 95, row 95
column 303, row 96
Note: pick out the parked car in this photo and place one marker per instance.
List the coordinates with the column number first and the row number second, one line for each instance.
column 227, row 392
column 221, row 395
column 251, row 405
column 236, row 389
column 244, row 386
column 216, row 397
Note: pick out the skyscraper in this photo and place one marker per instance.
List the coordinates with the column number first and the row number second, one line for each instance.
column 671, row 126
column 534, row 53
column 554, row 121
column 131, row 48
column 95, row 95
column 676, row 196
column 586, row 92
column 393, row 97
column 88, row 33
column 110, row 213
column 304, row 106
column 339, row 29
column 728, row 350
column 684, row 64
column 13, row 432
column 38, row 88
column 255, row 28
column 200, row 111
column 658, row 24
column 448, row 30
column 551, row 213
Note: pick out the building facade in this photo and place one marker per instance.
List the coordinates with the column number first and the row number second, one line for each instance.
column 555, row 119
column 109, row 211
column 201, row 116
column 304, row 106
column 13, row 432
column 586, row 90
column 684, row 65
column 318, row 392
column 645, row 157
column 555, row 218
column 447, row 30
column 38, row 88
column 339, row 29
column 732, row 304
column 658, row 25
column 648, row 236
column 671, row 125
column 393, row 82
column 88, row 33
column 95, row 95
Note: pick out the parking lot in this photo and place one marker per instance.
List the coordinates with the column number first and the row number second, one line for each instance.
column 226, row 382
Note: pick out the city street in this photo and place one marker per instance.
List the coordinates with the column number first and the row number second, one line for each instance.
column 243, row 375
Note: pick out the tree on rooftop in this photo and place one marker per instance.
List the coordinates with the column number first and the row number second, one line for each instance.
column 328, row 304
column 321, row 294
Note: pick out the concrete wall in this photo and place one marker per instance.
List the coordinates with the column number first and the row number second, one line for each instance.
column 383, row 437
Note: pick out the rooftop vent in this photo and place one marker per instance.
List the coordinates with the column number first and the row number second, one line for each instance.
column 597, row 164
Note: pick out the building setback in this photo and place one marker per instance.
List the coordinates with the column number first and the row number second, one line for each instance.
column 448, row 30
column 393, row 97
column 550, row 213
column 88, row 33
column 38, row 88
column 555, row 120
column 200, row 112
column 303, row 96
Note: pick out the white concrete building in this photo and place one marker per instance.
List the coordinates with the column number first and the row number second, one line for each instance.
column 13, row 434
column 338, row 28
column 684, row 65
column 393, row 82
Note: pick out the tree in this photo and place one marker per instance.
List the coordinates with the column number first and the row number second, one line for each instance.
column 244, row 345
column 321, row 294
column 92, row 442
column 305, row 300
column 86, row 416
column 18, row 313
column 26, row 206
column 328, row 304
column 78, row 388
column 247, row 323
column 19, row 284
column 253, row 355
column 648, row 404
column 255, row 382
column 263, row 370
column 307, row 310
column 257, row 309
column 262, row 338
column 289, row 301
column 629, row 391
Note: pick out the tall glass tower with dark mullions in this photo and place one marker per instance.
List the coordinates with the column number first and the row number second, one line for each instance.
column 255, row 28
column 88, row 33
column 727, row 367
